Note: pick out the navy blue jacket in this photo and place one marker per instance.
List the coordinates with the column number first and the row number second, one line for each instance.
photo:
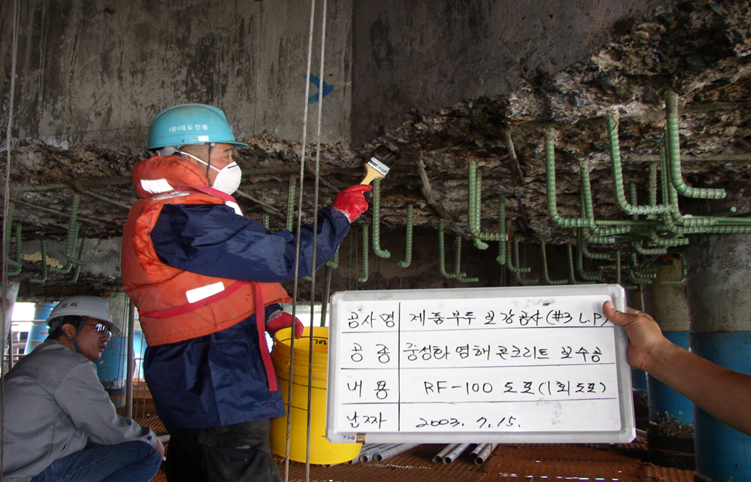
column 219, row 379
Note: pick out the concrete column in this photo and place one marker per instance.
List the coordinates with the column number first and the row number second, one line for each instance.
column 718, row 292
column 670, row 439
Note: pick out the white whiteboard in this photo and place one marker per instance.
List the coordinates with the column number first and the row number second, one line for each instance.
column 525, row 365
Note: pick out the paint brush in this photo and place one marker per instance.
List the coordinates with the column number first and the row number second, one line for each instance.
column 376, row 167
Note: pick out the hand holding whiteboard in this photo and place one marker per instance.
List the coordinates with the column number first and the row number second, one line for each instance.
column 527, row 364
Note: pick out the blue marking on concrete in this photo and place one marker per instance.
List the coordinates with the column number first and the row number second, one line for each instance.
column 325, row 90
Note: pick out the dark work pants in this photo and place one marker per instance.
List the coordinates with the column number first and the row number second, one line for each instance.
column 234, row 453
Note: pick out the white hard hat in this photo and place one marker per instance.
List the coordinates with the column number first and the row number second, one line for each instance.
column 82, row 305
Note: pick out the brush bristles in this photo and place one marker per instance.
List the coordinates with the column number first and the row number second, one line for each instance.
column 382, row 168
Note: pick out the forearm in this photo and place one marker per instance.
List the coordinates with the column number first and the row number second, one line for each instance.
column 721, row 392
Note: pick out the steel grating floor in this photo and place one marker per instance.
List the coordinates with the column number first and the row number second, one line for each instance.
column 508, row 463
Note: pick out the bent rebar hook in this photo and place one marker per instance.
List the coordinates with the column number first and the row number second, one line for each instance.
column 457, row 259
column 70, row 242
column 381, row 253
column 474, row 208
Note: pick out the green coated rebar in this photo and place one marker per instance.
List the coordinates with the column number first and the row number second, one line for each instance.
column 639, row 279
column 584, row 274
column 582, row 244
column 550, row 178
column 618, row 270
column 673, row 240
column 571, row 275
column 545, row 273
column 72, row 238
column 291, row 202
column 645, row 272
column 633, row 196
column 684, row 274
column 17, row 263
column 502, row 244
column 266, row 220
column 674, row 156
column 365, row 256
column 620, row 197
column 80, row 263
column 596, row 239
column 408, row 252
column 653, row 184
column 381, row 253
column 471, row 199
column 517, row 269
column 458, row 262
column 442, row 257
column 43, row 279
column 333, row 263
column 680, row 224
column 475, row 210
column 636, row 244
column 620, row 226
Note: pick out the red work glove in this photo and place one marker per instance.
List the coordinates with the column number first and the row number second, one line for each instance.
column 282, row 319
column 351, row 201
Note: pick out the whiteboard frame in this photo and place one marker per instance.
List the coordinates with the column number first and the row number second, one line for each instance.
column 626, row 434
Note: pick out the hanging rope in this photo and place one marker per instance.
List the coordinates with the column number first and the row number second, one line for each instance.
column 298, row 229
column 6, row 208
column 315, row 245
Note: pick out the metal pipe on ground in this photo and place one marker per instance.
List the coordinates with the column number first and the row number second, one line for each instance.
column 381, row 456
column 454, row 454
column 482, row 455
column 367, row 454
column 438, row 458
column 476, row 451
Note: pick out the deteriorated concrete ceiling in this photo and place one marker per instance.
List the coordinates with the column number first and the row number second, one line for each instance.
column 700, row 50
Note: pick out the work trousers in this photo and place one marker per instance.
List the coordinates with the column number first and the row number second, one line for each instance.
column 234, row 453
column 125, row 462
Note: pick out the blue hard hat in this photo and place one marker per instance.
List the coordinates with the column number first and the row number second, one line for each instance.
column 185, row 124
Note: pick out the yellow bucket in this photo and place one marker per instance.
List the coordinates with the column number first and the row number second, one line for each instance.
column 322, row 451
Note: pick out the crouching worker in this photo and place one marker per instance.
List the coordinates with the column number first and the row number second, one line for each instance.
column 59, row 422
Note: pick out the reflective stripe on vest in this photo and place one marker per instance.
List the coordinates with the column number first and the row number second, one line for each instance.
column 160, row 291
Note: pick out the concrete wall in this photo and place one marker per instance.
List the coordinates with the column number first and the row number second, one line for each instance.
column 426, row 55
column 91, row 71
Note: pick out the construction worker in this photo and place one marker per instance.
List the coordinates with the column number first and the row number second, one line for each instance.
column 206, row 282
column 59, row 422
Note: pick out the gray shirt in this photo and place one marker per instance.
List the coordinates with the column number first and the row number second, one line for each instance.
column 54, row 404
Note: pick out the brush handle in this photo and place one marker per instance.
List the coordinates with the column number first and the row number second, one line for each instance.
column 370, row 175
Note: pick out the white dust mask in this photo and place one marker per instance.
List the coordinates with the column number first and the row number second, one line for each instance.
column 227, row 178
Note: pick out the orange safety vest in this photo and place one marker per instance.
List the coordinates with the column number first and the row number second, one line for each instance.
column 176, row 305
